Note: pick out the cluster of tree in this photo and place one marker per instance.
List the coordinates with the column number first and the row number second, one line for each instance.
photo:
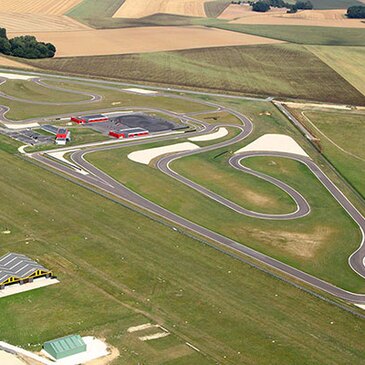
column 263, row 6
column 356, row 12
column 25, row 46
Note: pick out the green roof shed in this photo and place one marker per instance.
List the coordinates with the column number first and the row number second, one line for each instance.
column 65, row 346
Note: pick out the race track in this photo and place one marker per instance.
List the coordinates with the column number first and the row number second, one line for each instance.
column 103, row 181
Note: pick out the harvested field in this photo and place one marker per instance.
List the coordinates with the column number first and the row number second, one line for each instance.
column 7, row 62
column 143, row 8
column 143, row 39
column 49, row 7
column 28, row 23
column 325, row 18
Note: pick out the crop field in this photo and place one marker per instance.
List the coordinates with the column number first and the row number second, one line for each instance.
column 280, row 70
column 123, row 279
column 302, row 34
column 324, row 18
column 319, row 243
column 142, row 8
column 49, row 7
column 341, row 137
column 143, row 39
column 214, row 9
column 349, row 62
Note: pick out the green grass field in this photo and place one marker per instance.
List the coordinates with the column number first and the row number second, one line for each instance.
column 29, row 90
column 301, row 34
column 341, row 137
column 349, row 62
column 119, row 269
column 319, row 243
column 111, row 99
column 280, row 70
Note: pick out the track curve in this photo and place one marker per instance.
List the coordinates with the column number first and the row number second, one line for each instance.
column 104, row 182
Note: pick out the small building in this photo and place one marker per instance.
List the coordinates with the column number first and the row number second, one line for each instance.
column 128, row 133
column 65, row 346
column 90, row 119
column 63, row 135
column 20, row 269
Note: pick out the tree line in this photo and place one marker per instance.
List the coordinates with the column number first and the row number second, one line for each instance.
column 356, row 12
column 25, row 46
column 263, row 6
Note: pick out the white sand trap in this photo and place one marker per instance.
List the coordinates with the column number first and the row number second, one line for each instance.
column 20, row 125
column 95, row 349
column 17, row 288
column 141, row 91
column 274, row 143
column 221, row 132
column 9, row 359
column 154, row 336
column 146, row 156
column 362, row 306
column 15, row 76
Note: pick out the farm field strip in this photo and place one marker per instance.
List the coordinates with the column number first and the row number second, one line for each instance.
column 48, row 7
column 142, row 39
column 143, row 8
column 237, row 14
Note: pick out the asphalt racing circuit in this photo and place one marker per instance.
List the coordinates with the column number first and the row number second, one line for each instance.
column 100, row 180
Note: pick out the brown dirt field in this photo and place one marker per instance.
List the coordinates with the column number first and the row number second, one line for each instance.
column 49, row 7
column 304, row 245
column 143, row 39
column 142, row 8
column 326, row 18
column 6, row 62
column 27, row 23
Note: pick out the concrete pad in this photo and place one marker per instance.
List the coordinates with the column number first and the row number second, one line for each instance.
column 20, row 125
column 17, row 288
column 95, row 349
column 274, row 143
column 11, row 76
column 9, row 359
column 221, row 132
column 146, row 156
column 141, row 91
column 362, row 306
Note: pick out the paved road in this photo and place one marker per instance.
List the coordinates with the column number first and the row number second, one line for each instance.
column 106, row 183
column 103, row 181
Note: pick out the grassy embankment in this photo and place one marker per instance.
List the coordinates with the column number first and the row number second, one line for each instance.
column 342, row 136
column 118, row 269
column 319, row 243
column 285, row 70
